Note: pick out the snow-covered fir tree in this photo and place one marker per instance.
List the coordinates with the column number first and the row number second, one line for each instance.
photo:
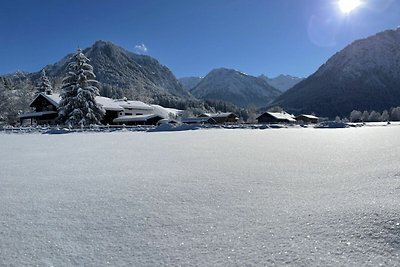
column 78, row 105
column 44, row 85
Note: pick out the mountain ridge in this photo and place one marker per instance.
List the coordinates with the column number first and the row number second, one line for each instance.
column 282, row 82
column 365, row 75
column 135, row 76
column 235, row 87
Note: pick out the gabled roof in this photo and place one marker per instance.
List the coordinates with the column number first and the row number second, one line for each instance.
column 54, row 99
column 116, row 105
column 218, row 115
column 165, row 112
column 312, row 117
column 133, row 104
column 280, row 116
column 108, row 103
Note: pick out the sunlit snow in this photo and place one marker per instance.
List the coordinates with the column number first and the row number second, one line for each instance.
column 301, row 197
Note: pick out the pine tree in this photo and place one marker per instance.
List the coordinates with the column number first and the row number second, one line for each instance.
column 355, row 116
column 395, row 114
column 78, row 105
column 44, row 85
column 385, row 116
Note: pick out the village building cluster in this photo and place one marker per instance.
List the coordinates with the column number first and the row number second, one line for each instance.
column 117, row 112
column 130, row 112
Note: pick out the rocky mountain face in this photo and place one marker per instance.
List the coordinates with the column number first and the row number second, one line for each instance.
column 363, row 76
column 123, row 73
column 235, row 87
column 189, row 83
column 282, row 82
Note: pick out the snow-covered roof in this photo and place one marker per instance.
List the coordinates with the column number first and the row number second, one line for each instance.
column 165, row 112
column 218, row 115
column 119, row 105
column 282, row 116
column 135, row 118
column 53, row 99
column 133, row 104
column 105, row 102
column 108, row 103
column 222, row 114
column 312, row 117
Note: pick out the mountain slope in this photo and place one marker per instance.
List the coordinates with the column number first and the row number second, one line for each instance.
column 363, row 76
column 189, row 83
column 138, row 76
column 282, row 82
column 235, row 87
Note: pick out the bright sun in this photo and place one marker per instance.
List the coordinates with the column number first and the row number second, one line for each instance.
column 346, row 6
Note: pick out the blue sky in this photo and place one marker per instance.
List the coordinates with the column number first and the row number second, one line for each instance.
column 191, row 37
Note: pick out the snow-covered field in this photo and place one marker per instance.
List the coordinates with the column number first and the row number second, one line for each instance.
column 302, row 197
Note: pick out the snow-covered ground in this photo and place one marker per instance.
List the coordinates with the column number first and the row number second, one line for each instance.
column 301, row 197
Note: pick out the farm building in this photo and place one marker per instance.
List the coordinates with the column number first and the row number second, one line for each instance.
column 221, row 118
column 307, row 119
column 45, row 112
column 126, row 111
column 276, row 117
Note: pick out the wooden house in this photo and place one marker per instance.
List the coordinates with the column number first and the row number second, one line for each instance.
column 126, row 111
column 276, row 117
column 307, row 119
column 222, row 118
column 45, row 110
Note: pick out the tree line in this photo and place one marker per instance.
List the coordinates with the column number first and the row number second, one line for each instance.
column 392, row 114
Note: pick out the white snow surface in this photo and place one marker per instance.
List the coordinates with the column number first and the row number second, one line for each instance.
column 296, row 197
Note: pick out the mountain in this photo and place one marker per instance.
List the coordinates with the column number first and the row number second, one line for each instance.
column 126, row 74
column 282, row 82
column 189, row 82
column 363, row 76
column 235, row 87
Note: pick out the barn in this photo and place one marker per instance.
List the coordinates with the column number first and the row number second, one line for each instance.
column 307, row 119
column 276, row 117
column 221, row 118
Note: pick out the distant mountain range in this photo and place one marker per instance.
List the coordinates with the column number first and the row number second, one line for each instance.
column 363, row 76
column 282, row 82
column 235, row 87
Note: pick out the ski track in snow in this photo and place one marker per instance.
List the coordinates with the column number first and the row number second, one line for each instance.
column 300, row 197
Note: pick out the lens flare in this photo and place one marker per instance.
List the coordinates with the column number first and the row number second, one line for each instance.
column 346, row 6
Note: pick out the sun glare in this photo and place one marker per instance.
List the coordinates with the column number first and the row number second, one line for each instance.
column 346, row 6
